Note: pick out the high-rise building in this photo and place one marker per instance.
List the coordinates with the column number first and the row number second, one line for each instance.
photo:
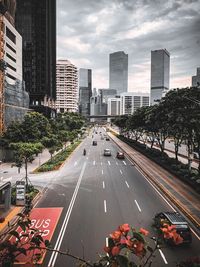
column 118, row 71
column 160, row 69
column 14, row 100
column 67, row 86
column 196, row 78
column 36, row 22
column 132, row 101
column 85, row 91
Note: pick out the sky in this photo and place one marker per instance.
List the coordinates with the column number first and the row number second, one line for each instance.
column 89, row 30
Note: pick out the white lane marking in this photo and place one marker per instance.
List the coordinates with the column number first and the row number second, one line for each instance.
column 124, row 162
column 101, row 163
column 116, row 163
column 127, row 184
column 120, row 171
column 103, row 185
column 102, row 172
column 198, row 237
column 94, row 162
column 108, row 162
column 163, row 256
column 87, row 158
column 75, row 163
column 156, row 190
column 66, row 220
column 138, row 206
column 1, row 178
column 105, row 209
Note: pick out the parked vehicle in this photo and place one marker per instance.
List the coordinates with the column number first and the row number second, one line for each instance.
column 107, row 139
column 176, row 219
column 94, row 143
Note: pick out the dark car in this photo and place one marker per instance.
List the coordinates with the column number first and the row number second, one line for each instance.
column 107, row 139
column 94, row 143
column 120, row 155
column 176, row 219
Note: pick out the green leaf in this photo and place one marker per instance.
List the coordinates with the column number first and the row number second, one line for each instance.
column 122, row 260
column 139, row 237
column 47, row 243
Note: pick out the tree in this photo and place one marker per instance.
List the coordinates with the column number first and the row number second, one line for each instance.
column 25, row 152
column 52, row 143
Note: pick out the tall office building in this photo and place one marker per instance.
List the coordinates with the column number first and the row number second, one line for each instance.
column 160, row 69
column 14, row 100
column 118, row 71
column 67, row 86
column 85, row 91
column 196, row 78
column 36, row 22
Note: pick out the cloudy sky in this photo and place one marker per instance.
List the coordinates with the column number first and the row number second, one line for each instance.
column 89, row 30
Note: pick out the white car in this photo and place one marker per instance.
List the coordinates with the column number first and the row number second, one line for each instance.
column 107, row 152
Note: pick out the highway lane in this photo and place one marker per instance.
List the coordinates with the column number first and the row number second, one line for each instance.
column 109, row 192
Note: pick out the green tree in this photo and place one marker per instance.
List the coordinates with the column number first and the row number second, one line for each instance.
column 25, row 152
column 52, row 143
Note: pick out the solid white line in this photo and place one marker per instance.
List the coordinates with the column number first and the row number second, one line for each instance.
column 127, row 184
column 108, row 162
column 103, row 185
column 94, row 162
column 102, row 172
column 138, row 206
column 87, row 158
column 124, row 162
column 157, row 190
column 101, row 163
column 105, row 209
column 75, row 163
column 116, row 163
column 120, row 171
column 163, row 256
column 66, row 220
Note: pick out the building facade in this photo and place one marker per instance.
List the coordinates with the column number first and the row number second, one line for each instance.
column 36, row 22
column 118, row 71
column 67, row 86
column 114, row 106
column 196, row 78
column 14, row 100
column 85, row 91
column 132, row 101
column 160, row 71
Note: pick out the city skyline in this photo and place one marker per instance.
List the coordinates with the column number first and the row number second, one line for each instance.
column 87, row 32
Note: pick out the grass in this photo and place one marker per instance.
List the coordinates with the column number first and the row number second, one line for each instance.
column 56, row 162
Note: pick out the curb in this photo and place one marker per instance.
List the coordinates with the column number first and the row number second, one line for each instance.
column 163, row 189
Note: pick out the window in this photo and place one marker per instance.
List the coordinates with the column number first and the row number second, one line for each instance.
column 10, row 57
column 10, row 35
column 11, row 48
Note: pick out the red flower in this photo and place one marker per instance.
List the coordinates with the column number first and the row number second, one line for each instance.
column 124, row 228
column 116, row 235
column 144, row 231
column 115, row 251
column 170, row 233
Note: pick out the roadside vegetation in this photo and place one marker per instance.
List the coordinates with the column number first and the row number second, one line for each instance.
column 176, row 117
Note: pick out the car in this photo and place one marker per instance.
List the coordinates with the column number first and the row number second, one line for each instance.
column 195, row 155
column 120, row 155
column 94, row 143
column 107, row 139
column 102, row 138
column 107, row 152
column 176, row 219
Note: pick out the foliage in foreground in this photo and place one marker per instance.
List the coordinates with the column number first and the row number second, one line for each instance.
column 126, row 247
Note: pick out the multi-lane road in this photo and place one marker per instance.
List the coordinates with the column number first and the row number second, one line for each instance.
column 97, row 194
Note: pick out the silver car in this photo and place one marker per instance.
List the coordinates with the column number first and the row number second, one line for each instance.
column 107, row 152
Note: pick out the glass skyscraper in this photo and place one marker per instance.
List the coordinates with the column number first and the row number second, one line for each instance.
column 118, row 71
column 85, row 91
column 160, row 68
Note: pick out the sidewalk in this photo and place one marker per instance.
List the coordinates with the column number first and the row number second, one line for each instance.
column 184, row 197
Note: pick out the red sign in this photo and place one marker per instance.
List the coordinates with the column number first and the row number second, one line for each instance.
column 44, row 220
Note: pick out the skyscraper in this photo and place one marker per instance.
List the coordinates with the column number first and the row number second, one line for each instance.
column 118, row 71
column 196, row 78
column 85, row 91
column 67, row 86
column 36, row 22
column 160, row 69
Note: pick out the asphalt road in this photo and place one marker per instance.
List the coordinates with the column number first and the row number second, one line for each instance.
column 97, row 194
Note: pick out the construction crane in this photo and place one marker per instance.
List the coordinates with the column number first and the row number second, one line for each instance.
column 2, row 76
